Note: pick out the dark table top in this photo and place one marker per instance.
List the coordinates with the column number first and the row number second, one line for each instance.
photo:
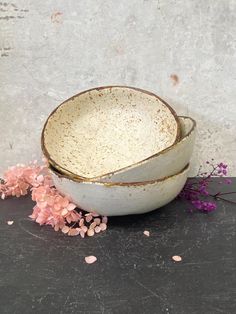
column 42, row 271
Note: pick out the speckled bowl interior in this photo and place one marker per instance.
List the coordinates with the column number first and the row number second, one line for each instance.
column 105, row 129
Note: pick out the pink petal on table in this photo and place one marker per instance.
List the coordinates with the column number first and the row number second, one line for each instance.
column 68, row 219
column 88, row 217
column 103, row 226
column 81, row 223
column 90, row 232
column 177, row 258
column 105, row 219
column 56, row 228
column 90, row 259
column 3, row 196
column 73, row 232
column 84, row 228
column 146, row 233
column 10, row 222
column 82, row 233
column 97, row 229
column 65, row 229
column 93, row 225
column 97, row 221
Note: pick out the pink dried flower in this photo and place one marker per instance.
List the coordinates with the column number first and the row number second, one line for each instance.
column 73, row 231
column 90, row 232
column 82, row 233
column 97, row 229
column 18, row 180
column 93, row 225
column 84, row 229
column 97, row 221
column 104, row 220
column 51, row 207
column 90, row 259
column 103, row 226
column 177, row 258
column 88, row 217
column 146, row 233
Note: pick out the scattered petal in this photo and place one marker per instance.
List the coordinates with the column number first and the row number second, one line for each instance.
column 68, row 219
column 82, row 233
column 146, row 233
column 88, row 217
column 65, row 229
column 10, row 222
column 84, row 228
column 97, row 221
column 103, row 226
column 74, row 232
column 97, row 229
column 90, row 232
column 56, row 228
column 93, row 225
column 90, row 259
column 81, row 223
column 177, row 258
column 105, row 219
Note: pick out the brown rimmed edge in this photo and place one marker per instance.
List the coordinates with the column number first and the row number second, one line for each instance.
column 111, row 184
column 81, row 178
column 156, row 155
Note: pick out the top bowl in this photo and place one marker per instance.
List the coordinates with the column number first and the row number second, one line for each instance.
column 106, row 129
column 166, row 163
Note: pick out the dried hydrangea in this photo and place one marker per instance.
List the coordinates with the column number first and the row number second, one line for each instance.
column 51, row 207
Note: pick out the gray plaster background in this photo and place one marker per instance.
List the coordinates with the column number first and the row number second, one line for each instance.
column 184, row 50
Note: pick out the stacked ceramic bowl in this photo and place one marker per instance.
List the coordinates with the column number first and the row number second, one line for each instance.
column 118, row 150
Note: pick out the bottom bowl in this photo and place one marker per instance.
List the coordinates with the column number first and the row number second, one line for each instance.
column 116, row 199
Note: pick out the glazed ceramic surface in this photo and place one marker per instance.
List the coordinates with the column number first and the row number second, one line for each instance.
column 166, row 163
column 105, row 129
column 121, row 198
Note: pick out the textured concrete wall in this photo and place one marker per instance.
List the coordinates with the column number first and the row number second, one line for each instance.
column 184, row 50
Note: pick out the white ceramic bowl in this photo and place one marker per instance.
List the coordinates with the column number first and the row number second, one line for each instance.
column 115, row 199
column 165, row 163
column 105, row 129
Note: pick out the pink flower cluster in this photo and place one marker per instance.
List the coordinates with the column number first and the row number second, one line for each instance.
column 51, row 207
column 19, row 179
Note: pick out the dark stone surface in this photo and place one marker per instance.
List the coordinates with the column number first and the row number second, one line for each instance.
column 42, row 271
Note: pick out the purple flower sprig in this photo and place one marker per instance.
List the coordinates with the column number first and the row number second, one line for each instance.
column 197, row 192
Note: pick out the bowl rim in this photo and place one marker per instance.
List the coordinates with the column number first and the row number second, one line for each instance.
column 193, row 127
column 82, row 178
column 124, row 184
